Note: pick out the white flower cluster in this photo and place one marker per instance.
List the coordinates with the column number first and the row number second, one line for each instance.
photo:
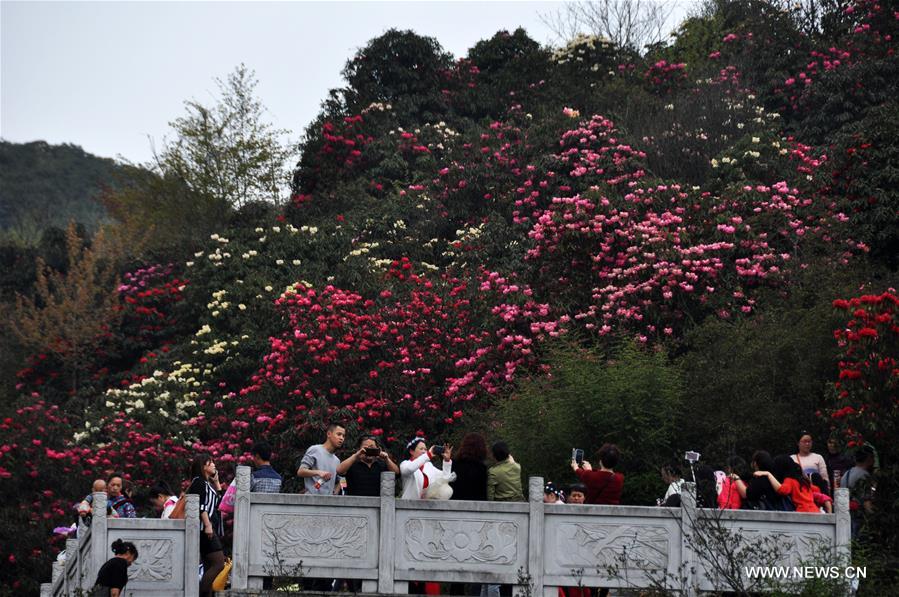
column 578, row 47
column 216, row 305
column 377, row 106
column 362, row 249
column 172, row 395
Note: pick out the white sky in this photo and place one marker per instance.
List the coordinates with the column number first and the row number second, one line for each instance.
column 108, row 75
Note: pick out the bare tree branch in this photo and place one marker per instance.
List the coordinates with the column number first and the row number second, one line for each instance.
column 633, row 24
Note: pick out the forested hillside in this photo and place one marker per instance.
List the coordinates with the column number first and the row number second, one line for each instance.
column 43, row 185
column 693, row 247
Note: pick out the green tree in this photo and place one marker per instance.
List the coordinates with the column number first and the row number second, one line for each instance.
column 629, row 397
column 227, row 150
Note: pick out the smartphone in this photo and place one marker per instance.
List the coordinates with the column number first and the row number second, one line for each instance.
column 577, row 455
column 438, row 450
column 373, row 451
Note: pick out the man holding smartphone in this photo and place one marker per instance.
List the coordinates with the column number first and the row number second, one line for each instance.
column 364, row 467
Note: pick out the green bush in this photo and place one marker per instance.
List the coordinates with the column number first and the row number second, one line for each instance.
column 628, row 397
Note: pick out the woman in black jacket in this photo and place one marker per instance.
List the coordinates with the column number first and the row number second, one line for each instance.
column 113, row 575
column 471, row 484
column 470, row 468
column 758, row 493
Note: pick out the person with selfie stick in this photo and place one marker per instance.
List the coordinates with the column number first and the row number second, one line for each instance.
column 692, row 458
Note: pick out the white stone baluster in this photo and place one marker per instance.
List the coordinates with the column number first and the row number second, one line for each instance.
column 240, row 571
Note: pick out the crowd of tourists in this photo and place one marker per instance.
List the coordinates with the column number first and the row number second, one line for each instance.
column 801, row 482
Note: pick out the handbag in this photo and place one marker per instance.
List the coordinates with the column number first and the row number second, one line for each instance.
column 221, row 581
column 178, row 512
column 227, row 504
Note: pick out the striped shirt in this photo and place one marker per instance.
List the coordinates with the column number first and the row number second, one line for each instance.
column 209, row 503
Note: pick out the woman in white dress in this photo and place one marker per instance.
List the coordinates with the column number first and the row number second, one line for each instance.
column 418, row 473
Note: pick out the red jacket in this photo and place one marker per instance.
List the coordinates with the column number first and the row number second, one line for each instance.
column 603, row 487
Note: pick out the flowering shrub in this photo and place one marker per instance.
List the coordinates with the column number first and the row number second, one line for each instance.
column 866, row 404
column 416, row 356
column 451, row 216
column 649, row 257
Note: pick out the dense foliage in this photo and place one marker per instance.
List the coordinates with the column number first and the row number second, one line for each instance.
column 44, row 185
column 639, row 249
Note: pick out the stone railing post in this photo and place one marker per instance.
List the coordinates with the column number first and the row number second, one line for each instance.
column 72, row 563
column 99, row 551
column 688, row 515
column 46, row 589
column 534, row 573
column 191, row 545
column 387, row 536
column 59, row 570
column 241, row 569
column 844, row 527
column 85, row 583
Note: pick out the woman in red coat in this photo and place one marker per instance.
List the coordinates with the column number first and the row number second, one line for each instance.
column 603, row 485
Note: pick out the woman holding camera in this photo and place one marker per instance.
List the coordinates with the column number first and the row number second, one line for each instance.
column 205, row 483
column 417, row 472
column 604, row 485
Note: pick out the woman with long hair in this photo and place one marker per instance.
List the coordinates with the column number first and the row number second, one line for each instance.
column 471, row 469
column 205, row 483
column 113, row 575
column 758, row 494
column 793, row 483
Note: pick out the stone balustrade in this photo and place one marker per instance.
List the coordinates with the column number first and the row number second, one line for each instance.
column 168, row 561
column 387, row 542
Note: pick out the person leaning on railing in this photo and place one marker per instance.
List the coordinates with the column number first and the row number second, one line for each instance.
column 118, row 501
column 205, row 483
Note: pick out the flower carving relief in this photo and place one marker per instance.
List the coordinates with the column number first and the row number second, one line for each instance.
column 302, row 537
column 462, row 541
column 155, row 562
column 602, row 545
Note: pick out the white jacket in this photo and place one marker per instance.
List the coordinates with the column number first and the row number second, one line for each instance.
column 414, row 479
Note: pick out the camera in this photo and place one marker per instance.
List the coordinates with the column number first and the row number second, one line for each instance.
column 691, row 456
column 375, row 451
column 438, row 450
column 577, row 455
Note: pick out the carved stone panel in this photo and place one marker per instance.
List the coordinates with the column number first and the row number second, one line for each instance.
column 593, row 545
column 160, row 563
column 769, row 546
column 294, row 537
column 155, row 561
column 461, row 541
